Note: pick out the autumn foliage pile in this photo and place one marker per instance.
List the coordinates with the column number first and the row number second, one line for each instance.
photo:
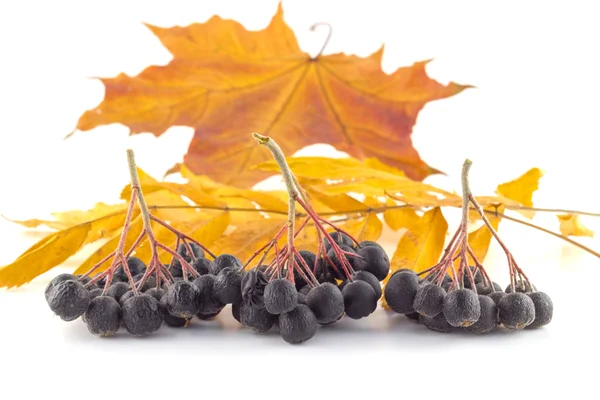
column 227, row 82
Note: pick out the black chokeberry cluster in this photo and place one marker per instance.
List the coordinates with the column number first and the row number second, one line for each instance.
column 316, row 290
column 437, row 301
column 166, row 294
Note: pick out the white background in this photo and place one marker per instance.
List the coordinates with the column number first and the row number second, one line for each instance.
column 535, row 67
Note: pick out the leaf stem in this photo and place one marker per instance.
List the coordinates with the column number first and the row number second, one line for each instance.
column 313, row 28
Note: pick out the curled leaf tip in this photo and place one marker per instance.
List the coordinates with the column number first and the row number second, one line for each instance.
column 260, row 138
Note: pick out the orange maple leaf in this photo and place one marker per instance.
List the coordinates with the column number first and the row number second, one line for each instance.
column 227, row 82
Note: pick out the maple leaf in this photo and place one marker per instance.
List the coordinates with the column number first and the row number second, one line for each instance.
column 226, row 81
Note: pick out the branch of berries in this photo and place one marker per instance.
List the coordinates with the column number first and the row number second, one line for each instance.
column 139, row 297
column 468, row 298
column 298, row 290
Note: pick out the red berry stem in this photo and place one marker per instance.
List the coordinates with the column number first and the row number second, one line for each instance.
column 181, row 235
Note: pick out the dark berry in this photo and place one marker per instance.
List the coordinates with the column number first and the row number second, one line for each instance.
column 367, row 243
column 124, row 298
column 175, row 266
column 340, row 238
column 326, row 276
column 224, row 261
column 326, row 302
column 205, row 317
column 57, row 279
column 521, row 287
column 496, row 296
column 298, row 325
column 170, row 319
column 235, row 311
column 310, row 259
column 280, row 296
column 135, row 265
column 69, row 299
column 156, row 293
column 461, row 307
column 543, row 309
column 488, row 318
column 437, row 323
column 142, row 315
column 150, row 281
column 257, row 319
column 209, row 303
column 253, row 288
column 202, row 265
column 370, row 279
column 117, row 290
column 400, row 292
column 485, row 289
column 227, row 285
column 103, row 316
column 429, row 300
column 413, row 315
column 183, row 299
column 376, row 261
column 302, row 298
column 477, row 277
column 261, row 268
column 516, row 310
column 355, row 262
column 96, row 292
column 305, row 289
column 359, row 299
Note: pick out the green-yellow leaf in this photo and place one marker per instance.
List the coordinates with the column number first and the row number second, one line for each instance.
column 44, row 255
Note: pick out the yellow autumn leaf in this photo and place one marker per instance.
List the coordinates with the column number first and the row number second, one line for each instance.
column 422, row 244
column 367, row 228
column 47, row 254
column 571, row 225
column 398, row 218
column 521, row 189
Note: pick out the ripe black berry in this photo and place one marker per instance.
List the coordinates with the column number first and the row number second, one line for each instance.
column 227, row 285
column 205, row 317
column 488, row 318
column 142, row 315
column 116, row 290
column 170, row 319
column 280, row 296
column 298, row 325
column 356, row 263
column 429, row 300
column 309, row 258
column 156, row 293
column 136, row 266
column 516, row 310
column 370, row 279
column 301, row 298
column 175, row 268
column 148, row 283
column 305, row 289
column 257, row 319
column 400, row 292
column 224, row 261
column 202, row 265
column 461, row 307
column 376, row 261
column 485, row 289
column 183, row 299
column 124, row 298
column 96, row 292
column 477, row 277
column 520, row 287
column 496, row 296
column 543, row 309
column 367, row 243
column 57, row 279
column 326, row 302
column 209, row 303
column 253, row 288
column 414, row 316
column 69, row 299
column 103, row 316
column 437, row 323
column 340, row 239
column 235, row 311
column 359, row 299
